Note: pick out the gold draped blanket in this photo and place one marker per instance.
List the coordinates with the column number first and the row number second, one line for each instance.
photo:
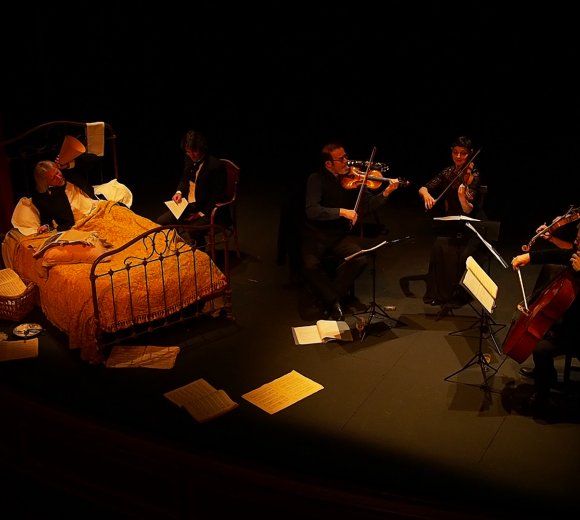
column 154, row 289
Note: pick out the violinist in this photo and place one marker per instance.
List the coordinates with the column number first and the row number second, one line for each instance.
column 564, row 336
column 460, row 198
column 329, row 214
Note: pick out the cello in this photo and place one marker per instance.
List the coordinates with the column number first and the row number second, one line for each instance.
column 534, row 322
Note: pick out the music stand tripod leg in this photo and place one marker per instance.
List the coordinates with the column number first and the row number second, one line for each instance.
column 372, row 308
column 478, row 359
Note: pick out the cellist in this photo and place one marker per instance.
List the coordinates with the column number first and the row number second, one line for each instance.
column 564, row 336
column 329, row 212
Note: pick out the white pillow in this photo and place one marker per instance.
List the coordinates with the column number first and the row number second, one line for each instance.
column 26, row 218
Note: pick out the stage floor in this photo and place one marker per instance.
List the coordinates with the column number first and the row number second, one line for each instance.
column 386, row 420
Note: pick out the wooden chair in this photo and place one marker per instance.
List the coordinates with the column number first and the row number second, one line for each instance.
column 231, row 193
column 569, row 368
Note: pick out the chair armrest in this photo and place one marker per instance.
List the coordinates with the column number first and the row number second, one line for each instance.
column 218, row 206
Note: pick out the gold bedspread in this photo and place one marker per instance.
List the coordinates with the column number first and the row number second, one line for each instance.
column 65, row 290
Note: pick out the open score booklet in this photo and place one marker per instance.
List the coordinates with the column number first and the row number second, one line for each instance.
column 323, row 332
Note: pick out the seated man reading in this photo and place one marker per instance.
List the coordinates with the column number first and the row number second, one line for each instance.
column 203, row 184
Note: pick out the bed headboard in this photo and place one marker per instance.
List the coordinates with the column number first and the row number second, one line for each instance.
column 43, row 142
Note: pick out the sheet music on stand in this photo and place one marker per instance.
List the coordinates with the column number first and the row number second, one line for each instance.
column 480, row 285
column 489, row 246
column 484, row 290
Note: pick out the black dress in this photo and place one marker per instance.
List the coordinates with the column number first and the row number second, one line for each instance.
column 449, row 253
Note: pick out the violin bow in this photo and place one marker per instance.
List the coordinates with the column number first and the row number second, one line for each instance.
column 362, row 186
column 467, row 163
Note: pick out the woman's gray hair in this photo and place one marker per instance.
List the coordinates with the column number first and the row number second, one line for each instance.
column 40, row 175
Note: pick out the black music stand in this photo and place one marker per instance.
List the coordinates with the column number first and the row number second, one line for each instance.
column 487, row 302
column 486, row 325
column 373, row 309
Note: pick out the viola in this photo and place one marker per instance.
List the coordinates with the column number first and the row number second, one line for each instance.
column 533, row 323
column 355, row 177
column 465, row 172
column 571, row 215
column 468, row 174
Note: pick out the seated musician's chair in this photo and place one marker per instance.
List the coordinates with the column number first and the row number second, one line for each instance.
column 231, row 193
column 569, row 368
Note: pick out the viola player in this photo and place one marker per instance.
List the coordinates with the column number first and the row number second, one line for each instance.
column 329, row 214
column 448, row 255
column 562, row 337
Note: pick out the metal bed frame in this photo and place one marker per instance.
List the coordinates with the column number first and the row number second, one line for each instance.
column 44, row 142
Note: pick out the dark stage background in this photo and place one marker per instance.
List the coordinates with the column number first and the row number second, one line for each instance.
column 270, row 87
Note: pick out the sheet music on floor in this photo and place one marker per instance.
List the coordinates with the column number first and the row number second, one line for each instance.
column 201, row 400
column 479, row 284
column 282, row 392
column 323, row 332
column 489, row 246
column 10, row 350
column 147, row 357
column 10, row 283
column 177, row 209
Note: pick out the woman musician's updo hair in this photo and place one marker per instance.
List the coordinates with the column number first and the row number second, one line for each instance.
column 463, row 142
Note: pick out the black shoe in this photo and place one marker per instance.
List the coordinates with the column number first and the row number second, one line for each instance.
column 336, row 312
column 527, row 372
column 537, row 399
column 530, row 373
column 542, row 401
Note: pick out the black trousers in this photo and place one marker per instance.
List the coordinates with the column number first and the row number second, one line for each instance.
column 168, row 219
column 315, row 250
column 544, row 371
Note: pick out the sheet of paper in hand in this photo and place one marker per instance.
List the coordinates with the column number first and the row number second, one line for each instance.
column 177, row 209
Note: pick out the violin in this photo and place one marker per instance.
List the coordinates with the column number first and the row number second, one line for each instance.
column 571, row 215
column 355, row 177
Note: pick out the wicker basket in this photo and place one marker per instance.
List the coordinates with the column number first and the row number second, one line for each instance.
column 14, row 308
